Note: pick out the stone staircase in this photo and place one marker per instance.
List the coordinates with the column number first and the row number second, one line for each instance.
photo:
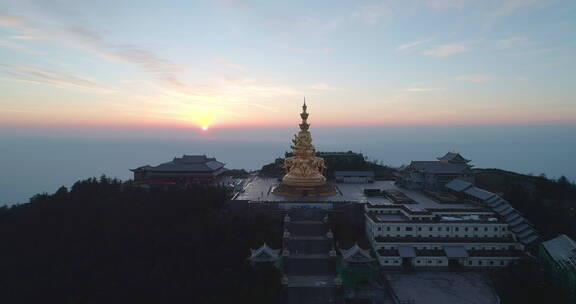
column 309, row 259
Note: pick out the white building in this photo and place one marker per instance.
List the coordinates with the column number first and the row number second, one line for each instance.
column 439, row 229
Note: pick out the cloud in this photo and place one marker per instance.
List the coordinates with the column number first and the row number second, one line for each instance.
column 17, row 47
column 412, row 45
column 476, row 78
column 11, row 20
column 49, row 77
column 372, row 14
column 310, row 24
column 84, row 38
column 446, row 4
column 510, row 6
column 325, row 87
column 446, row 50
column 511, row 42
column 231, row 65
column 423, row 89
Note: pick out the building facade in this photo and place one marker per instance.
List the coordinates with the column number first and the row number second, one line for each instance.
column 430, row 229
column 435, row 174
column 188, row 169
column 357, row 177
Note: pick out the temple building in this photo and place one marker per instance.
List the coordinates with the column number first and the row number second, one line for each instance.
column 435, row 174
column 356, row 266
column 188, row 169
column 304, row 171
column 265, row 254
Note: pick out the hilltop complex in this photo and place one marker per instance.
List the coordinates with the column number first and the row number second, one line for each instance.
column 431, row 216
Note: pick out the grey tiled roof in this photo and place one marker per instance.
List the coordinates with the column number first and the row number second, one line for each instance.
column 407, row 251
column 355, row 254
column 190, row 163
column 354, row 173
column 453, row 156
column 455, row 251
column 438, row 167
column 458, row 185
column 479, row 193
column 562, row 249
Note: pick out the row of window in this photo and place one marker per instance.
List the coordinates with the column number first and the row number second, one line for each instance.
column 508, row 247
column 470, row 263
column 440, row 236
column 388, row 228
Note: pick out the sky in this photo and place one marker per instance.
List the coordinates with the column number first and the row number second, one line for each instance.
column 108, row 67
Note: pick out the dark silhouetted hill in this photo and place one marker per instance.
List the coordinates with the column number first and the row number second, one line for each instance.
column 109, row 242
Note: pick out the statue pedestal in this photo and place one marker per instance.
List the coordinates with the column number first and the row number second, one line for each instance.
column 305, row 191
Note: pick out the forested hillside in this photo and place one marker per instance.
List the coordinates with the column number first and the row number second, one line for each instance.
column 549, row 204
column 109, row 242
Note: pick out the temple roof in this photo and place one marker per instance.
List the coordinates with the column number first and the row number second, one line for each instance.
column 356, row 254
column 264, row 254
column 191, row 163
column 453, row 157
column 438, row 167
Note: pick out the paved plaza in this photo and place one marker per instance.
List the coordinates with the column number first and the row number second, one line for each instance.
column 260, row 189
column 442, row 287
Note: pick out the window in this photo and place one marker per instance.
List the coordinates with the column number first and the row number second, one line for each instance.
column 419, row 228
column 475, row 228
column 485, row 228
column 379, row 228
column 501, row 263
column 495, row 228
column 456, row 228
column 387, row 228
column 397, row 228
column 408, row 228
column 491, row 262
column 466, row 229
column 430, row 229
column 439, row 228
column 386, row 261
column 479, row 263
column 429, row 261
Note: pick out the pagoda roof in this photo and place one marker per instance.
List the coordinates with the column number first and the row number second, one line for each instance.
column 356, row 254
column 453, row 157
column 438, row 167
column 186, row 163
column 264, row 254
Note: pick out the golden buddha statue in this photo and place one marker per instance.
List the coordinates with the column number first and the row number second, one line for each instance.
column 304, row 170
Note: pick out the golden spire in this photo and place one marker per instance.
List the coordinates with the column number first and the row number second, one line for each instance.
column 304, row 115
